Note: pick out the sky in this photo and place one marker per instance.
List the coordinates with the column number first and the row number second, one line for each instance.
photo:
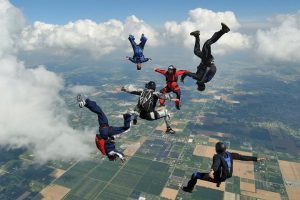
column 37, row 35
column 152, row 11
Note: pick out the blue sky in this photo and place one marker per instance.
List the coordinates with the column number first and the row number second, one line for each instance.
column 152, row 11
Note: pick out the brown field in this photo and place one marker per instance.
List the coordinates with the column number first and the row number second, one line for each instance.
column 211, row 185
column 52, row 192
column 293, row 192
column 231, row 196
column 291, row 174
column 262, row 194
column 290, row 170
column 131, row 149
column 205, row 151
column 247, row 186
column 57, row 173
column 199, row 100
column 169, row 193
column 243, row 169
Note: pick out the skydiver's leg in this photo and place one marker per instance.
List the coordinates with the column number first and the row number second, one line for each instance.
column 197, row 50
column 132, row 42
column 167, row 118
column 143, row 41
column 206, row 49
column 92, row 106
column 178, row 95
column 163, row 91
column 119, row 130
column 195, row 176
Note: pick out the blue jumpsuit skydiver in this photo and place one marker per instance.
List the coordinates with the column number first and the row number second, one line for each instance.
column 138, row 56
column 106, row 132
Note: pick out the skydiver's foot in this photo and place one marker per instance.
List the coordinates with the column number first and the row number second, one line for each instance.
column 186, row 189
column 195, row 33
column 81, row 100
column 131, row 37
column 134, row 121
column 170, row 130
column 225, row 28
column 177, row 107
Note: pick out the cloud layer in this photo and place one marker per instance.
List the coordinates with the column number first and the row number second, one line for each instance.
column 84, row 37
column 282, row 41
column 33, row 115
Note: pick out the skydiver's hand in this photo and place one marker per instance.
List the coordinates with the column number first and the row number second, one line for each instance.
column 155, row 68
column 211, row 174
column 123, row 89
column 261, row 159
column 175, row 100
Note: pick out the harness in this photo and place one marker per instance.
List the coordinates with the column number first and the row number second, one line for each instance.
column 100, row 142
column 171, row 78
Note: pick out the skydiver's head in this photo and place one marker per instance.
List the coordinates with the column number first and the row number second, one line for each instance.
column 220, row 147
column 171, row 69
column 151, row 85
column 201, row 86
column 138, row 66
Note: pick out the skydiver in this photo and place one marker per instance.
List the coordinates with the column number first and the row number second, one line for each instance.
column 147, row 101
column 171, row 75
column 138, row 56
column 206, row 69
column 105, row 138
column 221, row 169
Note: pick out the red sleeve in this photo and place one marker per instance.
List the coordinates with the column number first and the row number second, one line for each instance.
column 180, row 72
column 161, row 71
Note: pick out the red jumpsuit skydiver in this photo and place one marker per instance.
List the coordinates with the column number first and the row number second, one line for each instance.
column 171, row 78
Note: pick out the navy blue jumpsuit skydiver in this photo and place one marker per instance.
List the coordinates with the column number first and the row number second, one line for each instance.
column 222, row 166
column 138, row 56
column 206, row 69
column 106, row 132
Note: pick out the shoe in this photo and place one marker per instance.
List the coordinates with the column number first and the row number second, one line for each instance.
column 170, row 130
column 134, row 121
column 186, row 189
column 195, row 33
column 177, row 107
column 81, row 100
column 225, row 28
column 201, row 86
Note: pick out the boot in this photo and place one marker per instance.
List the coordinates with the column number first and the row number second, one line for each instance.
column 81, row 100
column 225, row 28
column 170, row 130
column 195, row 33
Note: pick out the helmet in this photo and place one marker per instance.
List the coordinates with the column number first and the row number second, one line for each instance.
column 220, row 147
column 150, row 85
column 171, row 67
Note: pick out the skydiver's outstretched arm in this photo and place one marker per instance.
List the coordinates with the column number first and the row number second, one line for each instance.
column 181, row 72
column 190, row 74
column 236, row 156
column 161, row 71
column 131, row 89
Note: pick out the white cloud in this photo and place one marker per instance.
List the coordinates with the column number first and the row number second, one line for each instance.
column 33, row 115
column 281, row 42
column 207, row 22
column 84, row 37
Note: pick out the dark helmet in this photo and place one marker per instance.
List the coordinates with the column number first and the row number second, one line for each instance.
column 171, row 67
column 150, row 85
column 201, row 86
column 220, row 147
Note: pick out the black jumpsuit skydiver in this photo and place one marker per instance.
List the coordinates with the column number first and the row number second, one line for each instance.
column 206, row 69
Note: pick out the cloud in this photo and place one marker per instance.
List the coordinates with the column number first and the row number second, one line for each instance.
column 84, row 37
column 207, row 22
column 281, row 42
column 33, row 115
